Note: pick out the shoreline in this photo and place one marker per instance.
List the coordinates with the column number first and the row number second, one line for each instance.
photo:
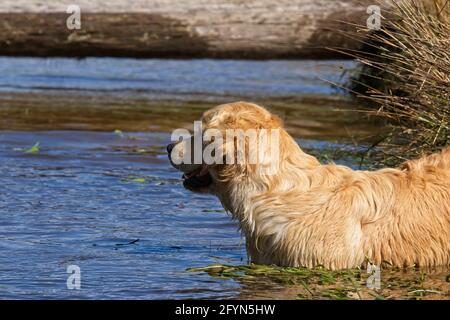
column 311, row 117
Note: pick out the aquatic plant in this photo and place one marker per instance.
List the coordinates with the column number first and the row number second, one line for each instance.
column 34, row 149
column 320, row 283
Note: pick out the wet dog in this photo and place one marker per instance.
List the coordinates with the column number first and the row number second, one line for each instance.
column 307, row 214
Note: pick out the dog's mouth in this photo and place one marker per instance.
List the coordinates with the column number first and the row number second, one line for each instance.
column 199, row 178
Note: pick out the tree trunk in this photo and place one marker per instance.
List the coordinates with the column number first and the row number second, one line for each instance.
column 252, row 29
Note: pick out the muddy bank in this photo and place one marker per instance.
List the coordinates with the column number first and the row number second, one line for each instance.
column 258, row 29
column 314, row 117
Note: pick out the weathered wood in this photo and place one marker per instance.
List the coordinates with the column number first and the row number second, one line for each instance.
column 257, row 29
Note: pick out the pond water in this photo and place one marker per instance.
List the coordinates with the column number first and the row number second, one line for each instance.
column 83, row 197
column 108, row 201
column 172, row 78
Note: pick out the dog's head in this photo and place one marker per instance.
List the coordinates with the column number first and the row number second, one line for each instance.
column 235, row 141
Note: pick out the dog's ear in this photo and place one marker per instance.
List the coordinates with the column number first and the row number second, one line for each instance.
column 219, row 118
column 276, row 121
column 242, row 116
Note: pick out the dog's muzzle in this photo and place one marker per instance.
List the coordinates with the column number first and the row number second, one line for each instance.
column 195, row 177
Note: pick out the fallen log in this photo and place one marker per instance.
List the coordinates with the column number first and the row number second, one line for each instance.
column 255, row 29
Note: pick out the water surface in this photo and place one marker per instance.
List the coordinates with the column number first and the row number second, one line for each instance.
column 109, row 201
column 84, row 197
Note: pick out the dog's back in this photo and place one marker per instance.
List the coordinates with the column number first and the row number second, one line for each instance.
column 415, row 229
column 436, row 160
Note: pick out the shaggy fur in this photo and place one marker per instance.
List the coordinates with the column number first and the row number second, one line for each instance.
column 309, row 214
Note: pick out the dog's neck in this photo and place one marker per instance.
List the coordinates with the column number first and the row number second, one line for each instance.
column 240, row 197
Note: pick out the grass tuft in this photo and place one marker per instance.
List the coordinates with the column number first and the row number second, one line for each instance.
column 405, row 72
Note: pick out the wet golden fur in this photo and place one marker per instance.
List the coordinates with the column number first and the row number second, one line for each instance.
column 309, row 214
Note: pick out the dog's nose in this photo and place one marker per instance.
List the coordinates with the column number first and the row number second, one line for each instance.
column 170, row 147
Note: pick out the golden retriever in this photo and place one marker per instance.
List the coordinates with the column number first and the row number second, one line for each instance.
column 308, row 214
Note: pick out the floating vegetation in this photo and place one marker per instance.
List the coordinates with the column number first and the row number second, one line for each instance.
column 34, row 149
column 320, row 283
column 127, row 244
column 119, row 133
column 144, row 179
column 150, row 150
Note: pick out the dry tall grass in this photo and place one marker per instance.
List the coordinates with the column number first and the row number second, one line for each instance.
column 406, row 73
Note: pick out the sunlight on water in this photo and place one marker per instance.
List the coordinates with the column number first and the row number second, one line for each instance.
column 86, row 180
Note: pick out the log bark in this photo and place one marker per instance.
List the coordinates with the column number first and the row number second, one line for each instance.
column 253, row 29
